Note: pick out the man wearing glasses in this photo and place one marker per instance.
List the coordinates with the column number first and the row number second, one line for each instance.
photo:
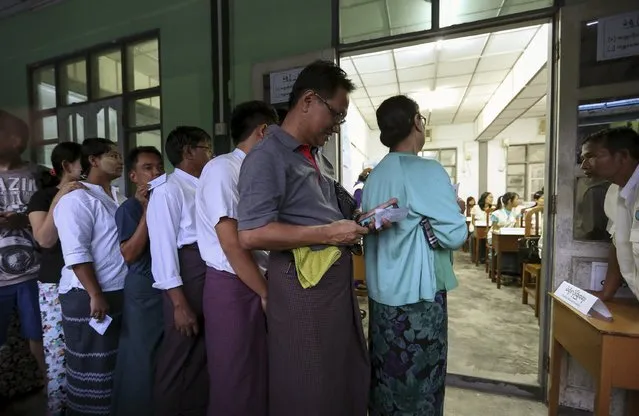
column 235, row 288
column 318, row 362
column 181, row 378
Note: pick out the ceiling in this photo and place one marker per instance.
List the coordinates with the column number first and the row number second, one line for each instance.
column 372, row 19
column 452, row 80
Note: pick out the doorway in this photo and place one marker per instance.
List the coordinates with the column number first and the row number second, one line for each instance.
column 484, row 97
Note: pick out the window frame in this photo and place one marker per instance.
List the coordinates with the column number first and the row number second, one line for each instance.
column 439, row 151
column 129, row 96
column 526, row 162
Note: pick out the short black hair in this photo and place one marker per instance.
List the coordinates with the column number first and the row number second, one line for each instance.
column 11, row 125
column 323, row 77
column 94, row 147
column 396, row 118
column 180, row 138
column 281, row 114
column 538, row 194
column 247, row 116
column 616, row 139
column 65, row 152
column 134, row 154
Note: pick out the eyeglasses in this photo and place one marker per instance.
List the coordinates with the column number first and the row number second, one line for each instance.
column 338, row 116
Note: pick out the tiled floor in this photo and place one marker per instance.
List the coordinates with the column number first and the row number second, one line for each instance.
column 491, row 333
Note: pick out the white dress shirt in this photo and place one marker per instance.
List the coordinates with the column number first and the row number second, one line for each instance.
column 85, row 220
column 170, row 218
column 217, row 197
column 622, row 209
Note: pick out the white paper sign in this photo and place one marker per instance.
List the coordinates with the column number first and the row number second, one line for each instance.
column 618, row 36
column 581, row 300
column 100, row 327
column 598, row 275
column 282, row 84
column 511, row 231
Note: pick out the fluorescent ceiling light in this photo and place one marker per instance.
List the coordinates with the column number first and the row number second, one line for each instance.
column 592, row 23
column 439, row 98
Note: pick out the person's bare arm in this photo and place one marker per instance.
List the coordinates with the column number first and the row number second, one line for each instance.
column 279, row 236
column 44, row 230
column 185, row 319
column 613, row 276
column 42, row 224
column 86, row 276
column 241, row 259
column 134, row 247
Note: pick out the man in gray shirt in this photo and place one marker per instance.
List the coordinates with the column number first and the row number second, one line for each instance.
column 318, row 362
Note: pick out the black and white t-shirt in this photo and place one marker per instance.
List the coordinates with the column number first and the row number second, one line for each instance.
column 19, row 259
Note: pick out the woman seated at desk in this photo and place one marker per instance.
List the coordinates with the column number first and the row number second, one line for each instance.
column 505, row 216
column 478, row 215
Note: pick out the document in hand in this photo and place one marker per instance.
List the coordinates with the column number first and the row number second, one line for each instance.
column 389, row 214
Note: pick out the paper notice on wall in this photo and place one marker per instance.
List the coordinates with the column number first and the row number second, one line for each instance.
column 618, row 36
column 282, row 84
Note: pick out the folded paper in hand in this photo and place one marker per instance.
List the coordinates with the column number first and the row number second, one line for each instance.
column 390, row 215
column 100, row 327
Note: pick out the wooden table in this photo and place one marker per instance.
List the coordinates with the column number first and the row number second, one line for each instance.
column 609, row 351
column 503, row 243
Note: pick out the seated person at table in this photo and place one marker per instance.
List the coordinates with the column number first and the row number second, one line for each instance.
column 478, row 214
column 470, row 204
column 505, row 216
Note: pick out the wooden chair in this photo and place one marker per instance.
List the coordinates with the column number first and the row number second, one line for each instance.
column 531, row 273
column 481, row 234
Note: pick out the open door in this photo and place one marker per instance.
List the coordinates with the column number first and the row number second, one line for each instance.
column 588, row 73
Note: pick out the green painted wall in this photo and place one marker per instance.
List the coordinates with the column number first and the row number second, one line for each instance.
column 271, row 30
column 73, row 25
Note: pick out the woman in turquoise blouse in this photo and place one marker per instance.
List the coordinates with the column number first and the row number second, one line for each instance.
column 407, row 279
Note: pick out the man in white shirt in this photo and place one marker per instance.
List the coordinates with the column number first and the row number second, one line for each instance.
column 92, row 281
column 613, row 155
column 235, row 288
column 181, row 380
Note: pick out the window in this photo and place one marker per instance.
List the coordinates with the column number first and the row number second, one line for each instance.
column 454, row 12
column 111, row 92
column 447, row 158
column 526, row 167
column 365, row 20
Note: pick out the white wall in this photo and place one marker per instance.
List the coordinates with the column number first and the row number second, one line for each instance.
column 358, row 142
column 462, row 137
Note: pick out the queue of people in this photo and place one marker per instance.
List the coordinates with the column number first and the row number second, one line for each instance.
column 225, row 287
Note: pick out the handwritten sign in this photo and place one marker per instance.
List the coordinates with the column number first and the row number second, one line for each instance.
column 581, row 300
column 618, row 36
column 282, row 84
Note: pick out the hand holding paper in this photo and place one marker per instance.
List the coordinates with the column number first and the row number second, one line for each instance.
column 389, row 214
column 100, row 326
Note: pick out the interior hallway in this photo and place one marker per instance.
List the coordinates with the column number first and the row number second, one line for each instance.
column 491, row 333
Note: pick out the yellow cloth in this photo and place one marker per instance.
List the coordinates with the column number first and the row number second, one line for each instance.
column 312, row 265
